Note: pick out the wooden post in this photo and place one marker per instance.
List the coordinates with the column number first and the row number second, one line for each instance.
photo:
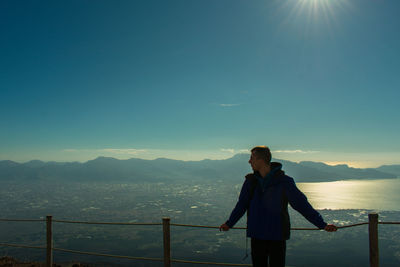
column 373, row 240
column 167, row 242
column 49, row 235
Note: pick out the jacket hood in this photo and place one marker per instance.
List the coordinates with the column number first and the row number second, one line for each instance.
column 272, row 177
column 276, row 170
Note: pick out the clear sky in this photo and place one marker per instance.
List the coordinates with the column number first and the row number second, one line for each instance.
column 313, row 79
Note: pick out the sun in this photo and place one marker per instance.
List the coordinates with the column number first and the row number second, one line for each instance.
column 316, row 11
column 319, row 6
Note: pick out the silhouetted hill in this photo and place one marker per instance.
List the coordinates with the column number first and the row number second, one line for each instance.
column 393, row 169
column 344, row 171
column 168, row 170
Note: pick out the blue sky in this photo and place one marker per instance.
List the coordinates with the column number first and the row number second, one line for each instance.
column 313, row 79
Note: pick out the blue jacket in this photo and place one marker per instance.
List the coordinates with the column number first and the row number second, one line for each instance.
column 267, row 209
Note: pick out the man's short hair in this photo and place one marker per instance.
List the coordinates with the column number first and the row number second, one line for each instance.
column 262, row 152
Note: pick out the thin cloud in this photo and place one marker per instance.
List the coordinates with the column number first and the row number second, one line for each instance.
column 229, row 105
column 119, row 151
column 126, row 151
column 230, row 150
column 296, row 151
column 70, row 150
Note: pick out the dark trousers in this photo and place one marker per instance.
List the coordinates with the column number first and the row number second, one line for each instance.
column 268, row 251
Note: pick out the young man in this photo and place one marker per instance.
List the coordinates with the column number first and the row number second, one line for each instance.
column 265, row 196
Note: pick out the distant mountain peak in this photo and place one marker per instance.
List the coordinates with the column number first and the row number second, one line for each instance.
column 308, row 162
column 8, row 163
column 240, row 156
column 102, row 158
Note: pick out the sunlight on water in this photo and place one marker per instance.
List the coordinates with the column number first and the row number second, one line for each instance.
column 355, row 194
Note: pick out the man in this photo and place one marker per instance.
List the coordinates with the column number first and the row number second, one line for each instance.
column 265, row 196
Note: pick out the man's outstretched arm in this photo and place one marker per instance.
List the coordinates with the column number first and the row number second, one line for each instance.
column 240, row 208
column 300, row 203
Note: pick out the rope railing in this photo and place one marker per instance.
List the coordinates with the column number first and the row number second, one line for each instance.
column 107, row 255
column 173, row 224
column 106, row 223
column 244, row 228
column 22, row 220
column 373, row 232
column 21, row 246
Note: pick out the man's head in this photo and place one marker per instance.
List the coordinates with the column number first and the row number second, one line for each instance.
column 260, row 157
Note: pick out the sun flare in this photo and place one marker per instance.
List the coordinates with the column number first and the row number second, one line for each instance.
column 315, row 12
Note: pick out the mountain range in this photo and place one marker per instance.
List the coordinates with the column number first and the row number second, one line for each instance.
column 105, row 169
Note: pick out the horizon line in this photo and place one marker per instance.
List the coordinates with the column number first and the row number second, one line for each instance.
column 331, row 164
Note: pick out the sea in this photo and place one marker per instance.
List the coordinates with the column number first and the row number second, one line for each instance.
column 379, row 195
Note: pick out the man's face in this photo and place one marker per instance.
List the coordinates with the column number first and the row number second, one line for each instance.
column 255, row 162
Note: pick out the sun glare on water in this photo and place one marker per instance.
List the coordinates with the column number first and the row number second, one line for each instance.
column 379, row 194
